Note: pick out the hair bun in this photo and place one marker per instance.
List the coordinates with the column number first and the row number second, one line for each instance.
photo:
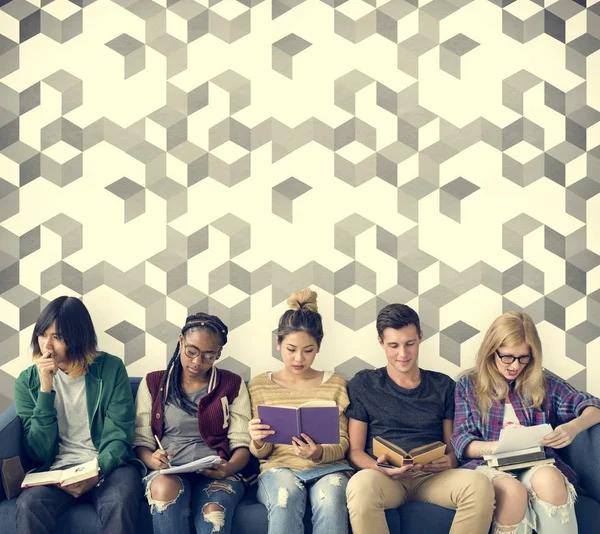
column 304, row 300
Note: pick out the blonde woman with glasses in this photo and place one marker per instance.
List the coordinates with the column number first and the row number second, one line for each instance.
column 507, row 387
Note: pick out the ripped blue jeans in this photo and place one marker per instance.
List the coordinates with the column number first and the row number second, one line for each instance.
column 175, row 517
column 284, row 495
column 540, row 516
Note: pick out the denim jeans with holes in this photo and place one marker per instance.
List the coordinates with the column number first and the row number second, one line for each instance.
column 175, row 517
column 284, row 496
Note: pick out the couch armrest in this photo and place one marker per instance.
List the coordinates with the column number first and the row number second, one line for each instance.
column 10, row 434
column 583, row 455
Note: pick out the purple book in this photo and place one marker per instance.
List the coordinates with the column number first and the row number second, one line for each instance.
column 319, row 420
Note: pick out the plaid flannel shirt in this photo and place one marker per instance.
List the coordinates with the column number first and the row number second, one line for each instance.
column 562, row 404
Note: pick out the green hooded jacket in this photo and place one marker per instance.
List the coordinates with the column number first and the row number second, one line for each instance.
column 110, row 413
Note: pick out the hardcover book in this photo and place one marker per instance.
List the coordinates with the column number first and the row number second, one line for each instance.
column 397, row 456
column 320, row 420
column 62, row 477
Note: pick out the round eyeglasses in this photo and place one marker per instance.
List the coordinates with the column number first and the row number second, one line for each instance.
column 192, row 353
column 508, row 358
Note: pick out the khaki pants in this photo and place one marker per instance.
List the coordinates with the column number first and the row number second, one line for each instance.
column 471, row 494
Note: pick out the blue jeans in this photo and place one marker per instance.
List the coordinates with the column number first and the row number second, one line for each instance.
column 116, row 501
column 284, row 496
column 197, row 491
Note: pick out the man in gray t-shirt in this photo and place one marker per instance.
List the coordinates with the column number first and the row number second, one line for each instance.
column 410, row 407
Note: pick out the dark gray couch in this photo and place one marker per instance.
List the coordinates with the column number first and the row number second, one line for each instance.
column 251, row 516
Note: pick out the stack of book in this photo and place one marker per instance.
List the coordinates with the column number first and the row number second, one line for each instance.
column 519, row 459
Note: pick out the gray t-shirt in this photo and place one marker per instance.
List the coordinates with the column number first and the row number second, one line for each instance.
column 181, row 436
column 407, row 417
column 74, row 439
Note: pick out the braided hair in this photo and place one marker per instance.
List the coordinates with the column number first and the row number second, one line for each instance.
column 303, row 316
column 198, row 321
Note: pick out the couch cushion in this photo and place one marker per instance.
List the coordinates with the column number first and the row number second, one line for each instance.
column 588, row 512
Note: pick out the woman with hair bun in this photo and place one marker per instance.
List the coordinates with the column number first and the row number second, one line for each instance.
column 292, row 473
column 193, row 410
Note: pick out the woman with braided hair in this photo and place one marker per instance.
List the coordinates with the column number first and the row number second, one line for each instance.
column 194, row 410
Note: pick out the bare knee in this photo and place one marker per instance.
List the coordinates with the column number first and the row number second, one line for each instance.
column 511, row 500
column 549, row 485
column 212, row 507
column 165, row 488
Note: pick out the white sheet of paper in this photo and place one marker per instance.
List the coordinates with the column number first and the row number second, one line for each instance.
column 194, row 466
column 521, row 437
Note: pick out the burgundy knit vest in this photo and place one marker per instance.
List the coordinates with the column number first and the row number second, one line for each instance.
column 212, row 412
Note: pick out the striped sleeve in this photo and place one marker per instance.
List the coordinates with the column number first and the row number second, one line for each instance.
column 143, row 412
column 568, row 401
column 465, row 429
column 239, row 413
column 255, row 400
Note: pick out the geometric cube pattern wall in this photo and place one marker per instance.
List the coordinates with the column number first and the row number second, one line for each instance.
column 159, row 158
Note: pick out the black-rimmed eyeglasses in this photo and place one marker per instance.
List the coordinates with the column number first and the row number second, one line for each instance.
column 508, row 358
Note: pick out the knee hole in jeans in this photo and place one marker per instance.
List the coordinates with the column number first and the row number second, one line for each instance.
column 214, row 513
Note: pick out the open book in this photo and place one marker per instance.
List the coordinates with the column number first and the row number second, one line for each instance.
column 192, row 467
column 398, row 456
column 62, row 477
column 317, row 419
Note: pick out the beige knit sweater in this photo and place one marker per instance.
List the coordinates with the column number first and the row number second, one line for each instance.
column 264, row 391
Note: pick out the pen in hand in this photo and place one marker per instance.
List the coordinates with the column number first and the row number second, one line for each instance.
column 161, row 448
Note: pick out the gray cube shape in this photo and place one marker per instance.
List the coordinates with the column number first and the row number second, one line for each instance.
column 578, row 52
column 132, row 338
column 451, row 339
column 191, row 299
column 62, row 30
column 9, row 128
column 62, row 173
column 523, row 174
column 187, row 246
column 409, row 196
column 187, row 102
column 523, row 30
column 9, row 56
column 28, row 303
column 132, row 51
column 153, row 302
column 593, row 307
column 9, row 343
column 70, row 87
column 390, row 158
column 70, row 232
column 28, row 160
column 25, row 18
column 453, row 50
column 233, row 316
column 9, row 271
column 194, row 158
column 352, row 366
column 229, row 174
column 133, row 195
column 228, row 29
column 195, row 17
column 389, row 15
column 174, row 194
column 283, row 196
column 174, row 50
column 557, row 16
column 355, row 30
column 410, row 51
column 174, row 267
column 284, row 51
column 238, row 231
column 173, row 125
column 452, row 194
column 593, row 20
column 355, row 174
column 557, row 160
column 355, row 318
column 577, row 196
